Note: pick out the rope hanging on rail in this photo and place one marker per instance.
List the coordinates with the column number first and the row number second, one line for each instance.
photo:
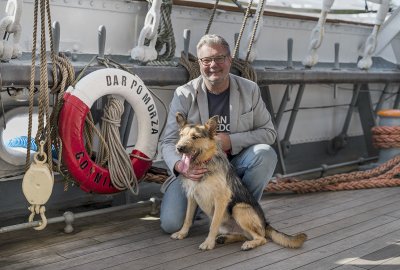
column 43, row 100
column 210, row 21
column 243, row 66
column 38, row 180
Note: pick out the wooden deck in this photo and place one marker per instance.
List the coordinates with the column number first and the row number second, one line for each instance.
column 347, row 230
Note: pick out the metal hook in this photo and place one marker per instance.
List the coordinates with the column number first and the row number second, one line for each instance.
column 11, row 7
column 14, row 9
column 40, row 157
column 101, row 40
column 41, row 147
column 56, row 37
column 37, row 209
column 32, row 209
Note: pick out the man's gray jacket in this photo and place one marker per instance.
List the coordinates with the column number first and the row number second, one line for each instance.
column 250, row 121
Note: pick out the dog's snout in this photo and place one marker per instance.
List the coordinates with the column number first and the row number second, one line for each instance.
column 180, row 148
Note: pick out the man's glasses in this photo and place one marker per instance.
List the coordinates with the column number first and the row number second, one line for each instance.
column 217, row 59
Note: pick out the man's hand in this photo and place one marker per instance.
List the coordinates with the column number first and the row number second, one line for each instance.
column 225, row 141
column 192, row 173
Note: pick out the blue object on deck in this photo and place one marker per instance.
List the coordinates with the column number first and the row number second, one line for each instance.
column 22, row 141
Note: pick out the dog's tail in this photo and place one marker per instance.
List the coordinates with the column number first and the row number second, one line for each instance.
column 285, row 240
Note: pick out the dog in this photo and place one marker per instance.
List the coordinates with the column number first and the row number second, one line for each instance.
column 220, row 193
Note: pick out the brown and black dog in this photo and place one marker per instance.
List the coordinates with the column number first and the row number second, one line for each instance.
column 221, row 194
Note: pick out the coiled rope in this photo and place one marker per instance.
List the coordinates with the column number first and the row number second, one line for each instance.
column 386, row 137
column 191, row 64
column 122, row 175
column 385, row 175
column 245, row 69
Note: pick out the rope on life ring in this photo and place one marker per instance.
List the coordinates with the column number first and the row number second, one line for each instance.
column 78, row 100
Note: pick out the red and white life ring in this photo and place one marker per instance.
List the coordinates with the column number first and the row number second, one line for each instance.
column 77, row 102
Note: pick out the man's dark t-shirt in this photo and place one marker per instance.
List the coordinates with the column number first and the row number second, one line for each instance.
column 219, row 105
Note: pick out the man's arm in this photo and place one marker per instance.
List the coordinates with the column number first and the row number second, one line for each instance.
column 171, row 132
column 263, row 131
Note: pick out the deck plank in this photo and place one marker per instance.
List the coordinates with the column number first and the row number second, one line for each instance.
column 298, row 208
column 347, row 255
column 87, row 227
column 383, row 256
column 337, row 246
column 236, row 257
column 348, row 267
column 120, row 253
column 318, row 237
column 350, row 230
column 393, row 264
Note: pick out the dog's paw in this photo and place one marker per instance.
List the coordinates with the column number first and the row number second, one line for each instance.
column 247, row 246
column 207, row 245
column 221, row 239
column 178, row 235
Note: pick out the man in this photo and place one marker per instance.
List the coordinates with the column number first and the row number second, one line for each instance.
column 245, row 127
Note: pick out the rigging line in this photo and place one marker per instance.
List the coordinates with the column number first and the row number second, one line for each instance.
column 334, row 106
column 246, row 16
column 32, row 84
column 253, row 34
column 212, row 17
column 318, row 107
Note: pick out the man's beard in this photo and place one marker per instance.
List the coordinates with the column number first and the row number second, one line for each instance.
column 217, row 81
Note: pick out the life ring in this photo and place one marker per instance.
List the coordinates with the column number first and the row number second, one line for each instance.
column 9, row 154
column 77, row 102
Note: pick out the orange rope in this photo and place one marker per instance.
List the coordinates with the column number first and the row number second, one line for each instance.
column 386, row 137
column 385, row 175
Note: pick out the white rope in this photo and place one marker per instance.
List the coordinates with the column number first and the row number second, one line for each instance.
column 317, row 35
column 372, row 40
column 11, row 25
column 119, row 165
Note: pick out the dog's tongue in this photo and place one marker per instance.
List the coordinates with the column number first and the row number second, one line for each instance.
column 186, row 163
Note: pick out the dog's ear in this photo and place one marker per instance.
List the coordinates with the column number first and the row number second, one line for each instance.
column 212, row 125
column 180, row 119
